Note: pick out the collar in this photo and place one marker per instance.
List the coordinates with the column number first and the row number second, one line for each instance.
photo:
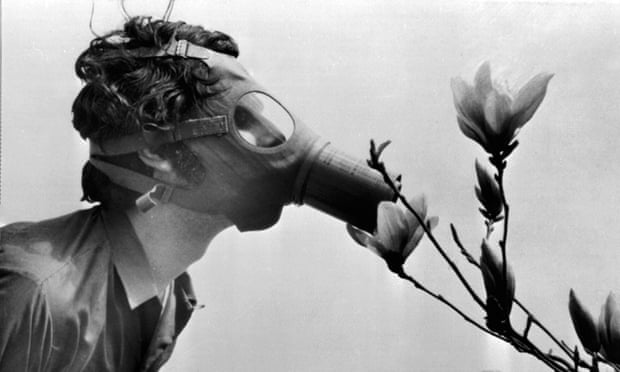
column 129, row 258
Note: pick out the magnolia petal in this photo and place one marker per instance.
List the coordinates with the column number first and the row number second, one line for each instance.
column 417, row 236
column 488, row 278
column 472, row 131
column 483, row 85
column 414, row 239
column 497, row 113
column 488, row 192
column 603, row 333
column 489, row 266
column 609, row 329
column 418, row 203
column 583, row 323
column 492, row 275
column 485, row 180
column 377, row 248
column 413, row 242
column 361, row 237
column 528, row 99
column 364, row 239
column 614, row 336
column 392, row 228
column 465, row 100
column 510, row 286
column 432, row 222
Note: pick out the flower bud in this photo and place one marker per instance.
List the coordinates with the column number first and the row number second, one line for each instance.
column 583, row 323
column 609, row 329
column 488, row 194
column 500, row 291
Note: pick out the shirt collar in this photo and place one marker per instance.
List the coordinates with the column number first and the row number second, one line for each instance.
column 129, row 259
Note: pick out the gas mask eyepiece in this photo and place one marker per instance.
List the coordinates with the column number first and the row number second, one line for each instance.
column 258, row 156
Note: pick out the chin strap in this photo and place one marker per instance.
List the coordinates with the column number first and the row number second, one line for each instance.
column 158, row 191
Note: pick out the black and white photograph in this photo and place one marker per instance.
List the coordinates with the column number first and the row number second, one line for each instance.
column 368, row 185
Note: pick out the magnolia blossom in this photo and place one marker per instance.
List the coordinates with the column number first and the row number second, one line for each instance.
column 500, row 292
column 583, row 323
column 609, row 329
column 489, row 114
column 398, row 232
column 488, row 194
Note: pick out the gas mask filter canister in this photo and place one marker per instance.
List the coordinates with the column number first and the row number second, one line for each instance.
column 258, row 157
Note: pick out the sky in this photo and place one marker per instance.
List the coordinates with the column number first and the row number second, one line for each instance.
column 302, row 296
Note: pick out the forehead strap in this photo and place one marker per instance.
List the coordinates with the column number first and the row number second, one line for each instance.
column 175, row 48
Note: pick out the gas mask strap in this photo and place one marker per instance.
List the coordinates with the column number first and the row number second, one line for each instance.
column 175, row 48
column 158, row 192
column 153, row 136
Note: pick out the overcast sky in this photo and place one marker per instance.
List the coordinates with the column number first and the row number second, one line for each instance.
column 302, row 296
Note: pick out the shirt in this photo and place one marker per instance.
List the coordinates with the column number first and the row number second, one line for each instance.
column 76, row 295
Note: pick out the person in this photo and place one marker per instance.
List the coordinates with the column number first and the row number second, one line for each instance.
column 105, row 289
column 184, row 144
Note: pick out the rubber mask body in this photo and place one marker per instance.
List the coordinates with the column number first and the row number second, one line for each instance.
column 248, row 182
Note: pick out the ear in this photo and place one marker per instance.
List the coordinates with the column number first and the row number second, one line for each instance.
column 155, row 161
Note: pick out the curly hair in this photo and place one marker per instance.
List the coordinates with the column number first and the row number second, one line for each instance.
column 122, row 92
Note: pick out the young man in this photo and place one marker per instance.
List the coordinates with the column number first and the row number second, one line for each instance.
column 105, row 289
column 183, row 145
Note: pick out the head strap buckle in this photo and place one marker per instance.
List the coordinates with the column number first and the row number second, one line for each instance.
column 181, row 48
column 159, row 194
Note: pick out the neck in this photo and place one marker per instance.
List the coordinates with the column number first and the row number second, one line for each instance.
column 173, row 238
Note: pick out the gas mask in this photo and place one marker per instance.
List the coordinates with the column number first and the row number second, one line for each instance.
column 258, row 156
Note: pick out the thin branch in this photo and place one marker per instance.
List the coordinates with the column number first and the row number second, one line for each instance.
column 528, row 326
column 554, row 362
column 464, row 252
column 531, row 317
column 534, row 320
column 443, row 300
column 519, row 342
column 378, row 165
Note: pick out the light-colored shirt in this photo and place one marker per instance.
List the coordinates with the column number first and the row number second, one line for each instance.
column 77, row 294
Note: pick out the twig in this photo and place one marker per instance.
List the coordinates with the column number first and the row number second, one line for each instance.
column 378, row 165
column 464, row 251
column 554, row 362
column 519, row 342
column 443, row 300
column 529, row 314
column 534, row 320
column 528, row 326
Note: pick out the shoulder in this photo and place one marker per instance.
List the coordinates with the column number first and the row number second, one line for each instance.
column 26, row 324
column 16, row 288
column 36, row 250
column 20, row 296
